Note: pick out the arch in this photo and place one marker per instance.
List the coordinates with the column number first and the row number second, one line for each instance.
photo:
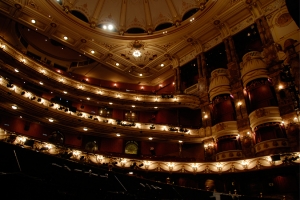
column 163, row 26
column 189, row 13
column 79, row 15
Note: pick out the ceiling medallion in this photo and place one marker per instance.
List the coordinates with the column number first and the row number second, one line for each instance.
column 53, row 25
column 18, row 6
column 137, row 44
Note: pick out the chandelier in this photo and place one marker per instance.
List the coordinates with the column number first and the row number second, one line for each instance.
column 136, row 53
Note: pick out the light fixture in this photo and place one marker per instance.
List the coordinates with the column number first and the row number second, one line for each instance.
column 155, row 107
column 141, row 74
column 85, row 128
column 162, row 65
column 33, row 21
column 110, row 103
column 150, row 138
column 118, row 134
column 117, row 64
column 51, row 120
column 88, row 98
column 136, row 53
column 133, row 106
column 41, row 83
column 180, row 141
column 110, row 27
column 65, row 92
column 92, row 51
column 65, row 38
column 14, row 107
column 239, row 103
column 16, row 70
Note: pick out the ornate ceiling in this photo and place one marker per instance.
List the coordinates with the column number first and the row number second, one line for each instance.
column 167, row 33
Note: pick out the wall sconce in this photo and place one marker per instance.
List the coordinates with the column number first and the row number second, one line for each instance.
column 240, row 107
column 99, row 158
column 270, row 160
column 2, row 46
column 245, row 164
column 195, row 167
column 219, row 166
column 170, row 165
column 208, row 146
column 123, row 162
column 76, row 153
column 22, row 140
column 147, row 164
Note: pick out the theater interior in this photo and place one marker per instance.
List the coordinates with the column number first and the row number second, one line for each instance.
column 149, row 99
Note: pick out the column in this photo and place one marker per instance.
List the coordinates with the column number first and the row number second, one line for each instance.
column 232, row 50
column 178, row 80
column 268, row 35
column 261, row 31
column 199, row 66
column 227, row 49
column 96, row 13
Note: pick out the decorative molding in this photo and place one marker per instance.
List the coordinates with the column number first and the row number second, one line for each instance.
column 212, row 43
column 188, row 57
column 264, row 115
column 229, row 155
column 241, row 25
column 224, row 128
column 271, row 144
column 273, row 6
column 236, row 166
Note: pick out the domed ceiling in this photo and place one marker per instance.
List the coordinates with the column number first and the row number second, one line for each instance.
column 133, row 41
